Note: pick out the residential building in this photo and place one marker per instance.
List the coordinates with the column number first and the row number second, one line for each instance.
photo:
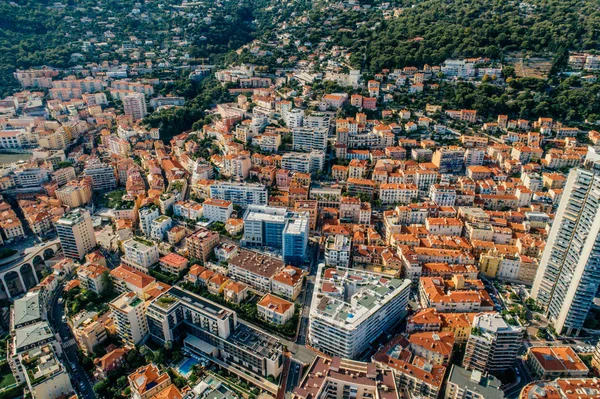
column 90, row 277
column 217, row 210
column 159, row 227
column 466, row 384
column 211, row 330
column 129, row 314
column 103, row 176
column 493, row 345
column 309, row 139
column 147, row 381
column 134, row 105
column 146, row 215
column 351, row 308
column 311, row 162
column 173, row 263
column 109, row 362
column 254, row 269
column 564, row 388
column 329, row 378
column 337, row 251
column 45, row 374
column 275, row 310
column 449, row 159
column 287, row 282
column 568, row 277
column 75, row 195
column 140, row 253
column 242, row 194
column 76, row 233
column 548, row 363
column 201, row 243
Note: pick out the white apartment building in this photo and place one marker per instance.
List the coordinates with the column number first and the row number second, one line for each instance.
column 13, row 139
column 76, row 233
column 396, row 193
column 242, row 194
column 293, row 118
column 308, row 139
column 337, row 251
column 160, row 226
column 354, row 309
column 303, row 162
column 568, row 275
column 140, row 253
column 493, row 345
column 103, row 176
column 442, row 195
column 217, row 210
column 129, row 314
column 147, row 215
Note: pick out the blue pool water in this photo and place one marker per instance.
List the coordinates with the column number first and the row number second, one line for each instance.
column 185, row 368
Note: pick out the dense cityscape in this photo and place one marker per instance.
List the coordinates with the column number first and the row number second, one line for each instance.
column 299, row 200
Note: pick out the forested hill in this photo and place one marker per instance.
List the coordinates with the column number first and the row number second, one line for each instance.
column 433, row 30
column 34, row 33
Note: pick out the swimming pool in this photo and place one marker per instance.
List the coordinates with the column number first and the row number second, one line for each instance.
column 185, row 367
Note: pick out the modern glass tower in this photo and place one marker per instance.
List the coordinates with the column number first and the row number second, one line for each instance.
column 569, row 272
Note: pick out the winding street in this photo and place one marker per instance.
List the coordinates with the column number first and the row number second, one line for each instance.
column 79, row 378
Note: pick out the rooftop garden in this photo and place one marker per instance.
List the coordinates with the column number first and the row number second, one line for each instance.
column 144, row 241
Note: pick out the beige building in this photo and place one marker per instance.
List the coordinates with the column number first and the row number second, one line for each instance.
column 548, row 363
column 275, row 310
column 129, row 313
column 76, row 233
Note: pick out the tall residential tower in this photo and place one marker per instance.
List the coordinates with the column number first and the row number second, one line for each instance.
column 569, row 272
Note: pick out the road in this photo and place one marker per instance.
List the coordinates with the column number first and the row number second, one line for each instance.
column 79, row 378
column 308, row 294
column 523, row 377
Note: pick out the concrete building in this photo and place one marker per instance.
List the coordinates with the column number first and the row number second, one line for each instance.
column 217, row 210
column 201, row 243
column 308, row 139
column 465, row 384
column 339, row 378
column 159, row 227
column 548, row 363
column 263, row 226
column 134, row 105
column 242, row 194
column 449, row 159
column 147, row 214
column 568, row 276
column 275, row 310
column 103, row 176
column 254, row 269
column 140, row 253
column 295, row 238
column 337, row 251
column 76, row 233
column 351, row 308
column 147, row 381
column 74, row 196
column 311, row 162
column 493, row 344
column 211, row 330
column 45, row 375
column 129, row 314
